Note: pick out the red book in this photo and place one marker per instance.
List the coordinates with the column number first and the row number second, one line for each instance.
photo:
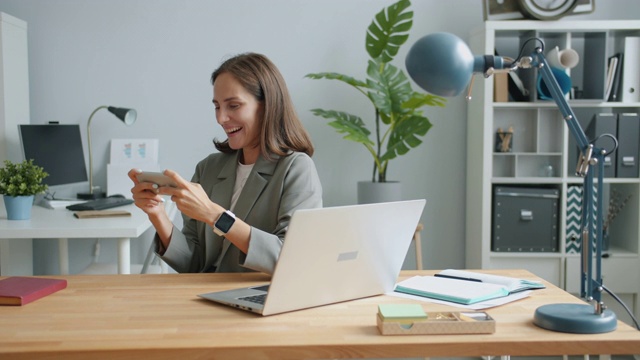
column 21, row 290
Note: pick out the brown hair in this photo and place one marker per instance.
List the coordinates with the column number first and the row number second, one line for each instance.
column 281, row 129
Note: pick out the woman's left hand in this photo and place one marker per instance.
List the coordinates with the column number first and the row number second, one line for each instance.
column 191, row 199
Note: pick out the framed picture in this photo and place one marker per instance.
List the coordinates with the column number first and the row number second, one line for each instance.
column 510, row 10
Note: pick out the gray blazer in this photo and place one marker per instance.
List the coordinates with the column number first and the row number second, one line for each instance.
column 272, row 192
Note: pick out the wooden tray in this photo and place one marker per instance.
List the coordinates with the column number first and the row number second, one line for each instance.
column 463, row 322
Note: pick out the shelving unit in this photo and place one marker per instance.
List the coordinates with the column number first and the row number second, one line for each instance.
column 542, row 151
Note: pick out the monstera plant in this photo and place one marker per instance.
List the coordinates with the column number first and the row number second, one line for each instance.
column 399, row 121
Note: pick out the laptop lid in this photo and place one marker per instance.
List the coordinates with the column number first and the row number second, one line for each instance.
column 336, row 254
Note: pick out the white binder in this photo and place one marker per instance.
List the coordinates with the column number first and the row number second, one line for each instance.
column 631, row 70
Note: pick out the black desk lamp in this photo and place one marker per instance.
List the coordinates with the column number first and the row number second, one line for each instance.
column 128, row 116
column 442, row 64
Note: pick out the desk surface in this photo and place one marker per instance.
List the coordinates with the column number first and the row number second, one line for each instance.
column 160, row 316
column 60, row 223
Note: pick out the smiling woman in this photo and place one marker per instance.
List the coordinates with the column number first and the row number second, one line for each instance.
column 237, row 207
column 239, row 113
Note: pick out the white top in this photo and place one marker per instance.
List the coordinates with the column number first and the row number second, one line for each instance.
column 242, row 173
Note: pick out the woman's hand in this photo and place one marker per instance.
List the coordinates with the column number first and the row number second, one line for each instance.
column 191, row 199
column 145, row 195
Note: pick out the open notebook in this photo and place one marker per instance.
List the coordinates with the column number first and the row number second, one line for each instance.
column 464, row 287
column 510, row 283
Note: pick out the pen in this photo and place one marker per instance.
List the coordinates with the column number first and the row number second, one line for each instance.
column 457, row 277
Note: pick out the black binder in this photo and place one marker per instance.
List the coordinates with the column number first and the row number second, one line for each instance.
column 628, row 150
column 616, row 83
column 604, row 123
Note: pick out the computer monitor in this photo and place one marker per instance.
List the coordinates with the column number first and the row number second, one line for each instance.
column 58, row 149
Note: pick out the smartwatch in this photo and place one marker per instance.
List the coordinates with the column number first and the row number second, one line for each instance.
column 223, row 223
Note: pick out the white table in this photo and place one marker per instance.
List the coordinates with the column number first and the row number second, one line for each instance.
column 60, row 224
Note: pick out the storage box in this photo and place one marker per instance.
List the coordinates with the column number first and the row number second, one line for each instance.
column 466, row 322
column 525, row 219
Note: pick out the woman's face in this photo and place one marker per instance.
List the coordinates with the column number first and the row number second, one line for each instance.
column 239, row 114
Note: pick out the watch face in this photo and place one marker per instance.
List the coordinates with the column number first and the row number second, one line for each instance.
column 224, row 222
column 546, row 9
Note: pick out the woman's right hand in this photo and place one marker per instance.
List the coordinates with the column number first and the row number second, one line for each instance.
column 145, row 195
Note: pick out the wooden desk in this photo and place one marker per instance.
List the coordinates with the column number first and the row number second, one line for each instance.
column 160, row 316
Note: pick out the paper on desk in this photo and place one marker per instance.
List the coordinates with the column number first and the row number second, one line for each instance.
column 128, row 151
column 477, row 306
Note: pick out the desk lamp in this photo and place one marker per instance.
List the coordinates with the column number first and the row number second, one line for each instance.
column 442, row 64
column 128, row 116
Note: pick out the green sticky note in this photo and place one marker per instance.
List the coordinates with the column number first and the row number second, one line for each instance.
column 402, row 312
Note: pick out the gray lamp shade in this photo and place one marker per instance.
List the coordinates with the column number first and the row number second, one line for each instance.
column 128, row 116
column 440, row 63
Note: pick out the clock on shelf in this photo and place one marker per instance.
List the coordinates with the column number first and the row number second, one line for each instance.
column 546, row 9
column 535, row 9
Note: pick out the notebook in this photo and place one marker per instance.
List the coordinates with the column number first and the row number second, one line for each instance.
column 465, row 287
column 334, row 254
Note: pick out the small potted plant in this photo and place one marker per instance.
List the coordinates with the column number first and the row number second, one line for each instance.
column 19, row 183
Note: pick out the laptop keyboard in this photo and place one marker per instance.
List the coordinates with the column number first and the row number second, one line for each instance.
column 100, row 204
column 258, row 299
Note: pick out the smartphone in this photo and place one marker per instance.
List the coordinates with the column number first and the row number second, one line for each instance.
column 157, row 178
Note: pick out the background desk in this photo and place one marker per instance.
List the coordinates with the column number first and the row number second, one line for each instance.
column 60, row 224
column 161, row 317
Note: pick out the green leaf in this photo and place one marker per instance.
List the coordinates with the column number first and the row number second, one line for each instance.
column 419, row 100
column 390, row 89
column 405, row 136
column 25, row 178
column 335, row 76
column 388, row 31
column 348, row 124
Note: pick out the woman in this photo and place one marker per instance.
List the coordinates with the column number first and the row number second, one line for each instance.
column 239, row 202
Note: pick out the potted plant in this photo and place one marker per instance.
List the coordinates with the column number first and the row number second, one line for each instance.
column 19, row 183
column 399, row 121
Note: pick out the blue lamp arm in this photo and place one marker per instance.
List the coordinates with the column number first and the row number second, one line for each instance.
column 591, row 288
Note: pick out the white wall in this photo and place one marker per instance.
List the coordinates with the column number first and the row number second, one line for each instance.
column 157, row 56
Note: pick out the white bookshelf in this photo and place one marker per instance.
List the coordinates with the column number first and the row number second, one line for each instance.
column 542, row 139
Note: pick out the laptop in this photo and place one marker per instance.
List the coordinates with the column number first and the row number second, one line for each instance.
column 331, row 255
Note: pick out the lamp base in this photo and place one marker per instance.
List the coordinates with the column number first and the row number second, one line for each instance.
column 91, row 196
column 574, row 318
